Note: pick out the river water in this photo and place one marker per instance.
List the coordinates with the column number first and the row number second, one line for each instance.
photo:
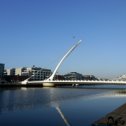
column 57, row 106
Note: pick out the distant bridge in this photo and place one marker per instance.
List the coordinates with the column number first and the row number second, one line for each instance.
column 51, row 82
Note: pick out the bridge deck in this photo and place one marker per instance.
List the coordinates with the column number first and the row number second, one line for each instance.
column 79, row 82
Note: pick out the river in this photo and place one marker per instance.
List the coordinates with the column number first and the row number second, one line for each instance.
column 57, row 106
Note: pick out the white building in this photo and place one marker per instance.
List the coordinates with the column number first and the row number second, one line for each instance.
column 18, row 71
column 23, row 71
column 26, row 71
column 10, row 72
column 37, row 72
column 40, row 73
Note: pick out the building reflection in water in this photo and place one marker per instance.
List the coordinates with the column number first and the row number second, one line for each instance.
column 18, row 99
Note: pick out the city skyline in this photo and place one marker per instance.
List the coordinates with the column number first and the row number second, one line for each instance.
column 40, row 32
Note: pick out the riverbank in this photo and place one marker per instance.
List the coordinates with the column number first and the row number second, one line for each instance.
column 114, row 118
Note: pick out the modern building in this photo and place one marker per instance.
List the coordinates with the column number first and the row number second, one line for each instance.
column 73, row 76
column 23, row 71
column 78, row 76
column 37, row 73
column 20, row 74
column 1, row 70
column 59, row 77
column 26, row 71
column 18, row 71
column 40, row 73
column 89, row 77
column 7, row 72
column 10, row 72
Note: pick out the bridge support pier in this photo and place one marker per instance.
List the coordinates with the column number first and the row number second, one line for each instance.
column 46, row 84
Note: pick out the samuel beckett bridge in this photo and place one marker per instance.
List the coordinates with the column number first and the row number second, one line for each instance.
column 51, row 82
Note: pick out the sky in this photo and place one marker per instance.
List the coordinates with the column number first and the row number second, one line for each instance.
column 40, row 32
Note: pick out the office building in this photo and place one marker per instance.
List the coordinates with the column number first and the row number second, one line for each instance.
column 40, row 73
column 73, row 76
column 10, row 72
column 1, row 70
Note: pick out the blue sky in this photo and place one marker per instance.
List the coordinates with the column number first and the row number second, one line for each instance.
column 39, row 32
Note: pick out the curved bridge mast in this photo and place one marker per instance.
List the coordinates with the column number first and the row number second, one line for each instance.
column 57, row 67
column 61, row 61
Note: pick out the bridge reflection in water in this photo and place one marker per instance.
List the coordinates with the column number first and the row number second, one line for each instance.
column 28, row 98
column 65, row 106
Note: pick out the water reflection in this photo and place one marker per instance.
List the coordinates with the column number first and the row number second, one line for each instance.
column 66, row 106
column 24, row 98
column 62, row 116
column 11, row 100
column 114, row 93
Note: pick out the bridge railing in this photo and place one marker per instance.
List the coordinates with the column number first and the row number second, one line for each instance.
column 109, row 81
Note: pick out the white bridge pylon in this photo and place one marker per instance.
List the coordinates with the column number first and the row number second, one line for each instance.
column 61, row 61
column 50, row 79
